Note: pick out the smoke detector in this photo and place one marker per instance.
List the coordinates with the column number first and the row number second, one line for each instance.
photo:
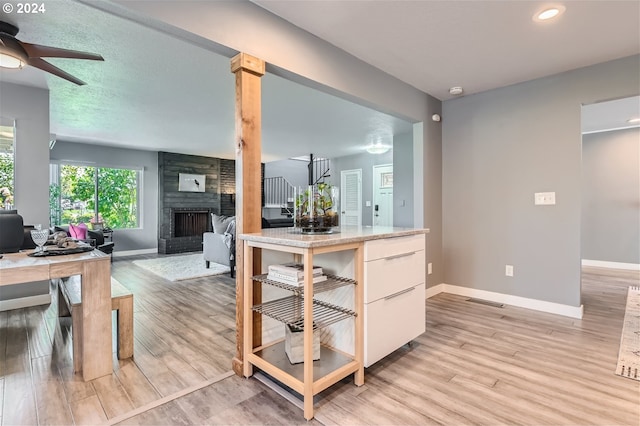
column 456, row 91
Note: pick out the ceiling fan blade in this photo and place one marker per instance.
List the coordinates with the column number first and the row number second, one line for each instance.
column 46, row 66
column 39, row 51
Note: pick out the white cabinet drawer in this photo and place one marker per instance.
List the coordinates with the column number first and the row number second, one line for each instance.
column 389, row 275
column 387, row 247
column 392, row 322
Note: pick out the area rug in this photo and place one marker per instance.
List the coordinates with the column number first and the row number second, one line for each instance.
column 183, row 267
column 629, row 355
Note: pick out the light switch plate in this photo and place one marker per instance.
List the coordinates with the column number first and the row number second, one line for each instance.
column 545, row 198
column 429, row 268
column 508, row 270
column 367, row 203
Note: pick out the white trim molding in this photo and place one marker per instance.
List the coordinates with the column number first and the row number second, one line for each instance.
column 611, row 265
column 25, row 302
column 436, row 289
column 134, row 252
column 508, row 299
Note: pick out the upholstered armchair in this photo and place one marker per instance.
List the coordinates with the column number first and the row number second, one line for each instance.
column 219, row 246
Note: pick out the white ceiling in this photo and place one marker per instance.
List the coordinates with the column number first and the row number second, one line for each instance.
column 479, row 45
column 138, row 98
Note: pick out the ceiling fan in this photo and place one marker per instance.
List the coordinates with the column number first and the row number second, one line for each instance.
column 16, row 54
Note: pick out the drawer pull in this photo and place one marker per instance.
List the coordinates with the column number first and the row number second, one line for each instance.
column 400, row 293
column 397, row 256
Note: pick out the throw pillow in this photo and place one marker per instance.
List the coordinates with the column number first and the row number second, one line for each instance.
column 220, row 223
column 78, row 231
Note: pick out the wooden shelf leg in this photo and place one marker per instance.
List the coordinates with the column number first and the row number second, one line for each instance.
column 247, row 368
column 359, row 308
column 308, row 334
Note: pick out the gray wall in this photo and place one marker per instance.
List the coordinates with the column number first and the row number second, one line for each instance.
column 403, row 180
column 364, row 161
column 145, row 237
column 502, row 146
column 611, row 196
column 294, row 171
column 430, row 165
column 29, row 107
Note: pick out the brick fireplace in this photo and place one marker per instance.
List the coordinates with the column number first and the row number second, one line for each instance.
column 184, row 216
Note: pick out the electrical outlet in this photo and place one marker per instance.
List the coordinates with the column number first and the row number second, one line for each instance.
column 544, row 198
column 508, row 270
column 429, row 268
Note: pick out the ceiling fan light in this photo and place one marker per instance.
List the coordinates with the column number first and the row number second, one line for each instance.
column 378, row 148
column 11, row 61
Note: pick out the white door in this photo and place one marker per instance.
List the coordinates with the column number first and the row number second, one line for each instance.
column 351, row 197
column 383, row 195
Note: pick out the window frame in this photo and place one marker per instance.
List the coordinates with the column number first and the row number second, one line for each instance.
column 77, row 163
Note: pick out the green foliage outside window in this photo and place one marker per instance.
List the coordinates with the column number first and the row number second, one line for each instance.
column 117, row 196
column 6, row 171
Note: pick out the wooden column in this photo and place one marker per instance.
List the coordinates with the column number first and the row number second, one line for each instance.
column 248, row 71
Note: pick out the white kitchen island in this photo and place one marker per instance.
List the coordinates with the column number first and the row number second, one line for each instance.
column 372, row 303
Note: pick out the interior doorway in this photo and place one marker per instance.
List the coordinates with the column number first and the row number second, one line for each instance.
column 610, row 230
column 383, row 195
column 351, row 197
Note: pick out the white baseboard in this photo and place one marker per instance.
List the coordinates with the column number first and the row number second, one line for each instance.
column 508, row 299
column 432, row 291
column 611, row 265
column 25, row 302
column 134, row 252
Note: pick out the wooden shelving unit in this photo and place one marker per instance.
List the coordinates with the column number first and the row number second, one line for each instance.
column 301, row 310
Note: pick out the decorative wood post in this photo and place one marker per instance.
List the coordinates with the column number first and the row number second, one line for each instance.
column 248, row 70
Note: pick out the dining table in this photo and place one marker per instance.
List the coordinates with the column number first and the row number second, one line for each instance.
column 95, row 270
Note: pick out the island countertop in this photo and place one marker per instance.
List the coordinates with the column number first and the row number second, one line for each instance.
column 346, row 234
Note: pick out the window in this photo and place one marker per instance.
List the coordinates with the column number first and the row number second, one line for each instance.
column 100, row 196
column 6, row 163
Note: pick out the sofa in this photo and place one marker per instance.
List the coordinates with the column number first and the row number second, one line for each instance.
column 96, row 235
column 12, row 231
column 219, row 246
column 277, row 222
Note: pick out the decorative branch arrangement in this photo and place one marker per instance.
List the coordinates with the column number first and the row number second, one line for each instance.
column 316, row 209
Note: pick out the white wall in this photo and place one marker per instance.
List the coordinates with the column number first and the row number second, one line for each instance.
column 502, row 146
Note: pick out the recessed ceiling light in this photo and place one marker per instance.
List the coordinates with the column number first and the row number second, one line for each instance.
column 548, row 13
column 633, row 120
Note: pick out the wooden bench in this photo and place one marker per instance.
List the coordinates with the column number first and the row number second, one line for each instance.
column 70, row 303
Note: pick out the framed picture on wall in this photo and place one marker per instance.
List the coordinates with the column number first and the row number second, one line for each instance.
column 191, row 183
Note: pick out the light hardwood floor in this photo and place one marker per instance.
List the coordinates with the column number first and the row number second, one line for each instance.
column 476, row 364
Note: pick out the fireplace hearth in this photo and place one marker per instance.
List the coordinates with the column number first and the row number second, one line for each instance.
column 185, row 228
column 189, row 223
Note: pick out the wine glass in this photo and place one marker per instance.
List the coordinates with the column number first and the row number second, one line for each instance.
column 39, row 236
